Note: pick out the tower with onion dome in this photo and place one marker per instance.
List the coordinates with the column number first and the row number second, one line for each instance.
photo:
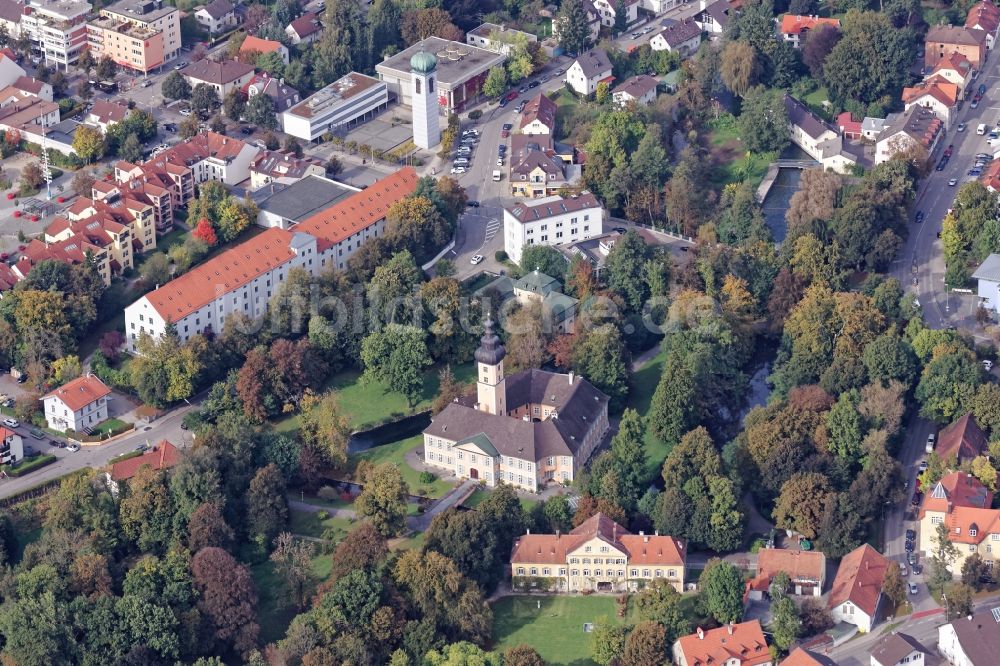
column 423, row 78
column 491, row 388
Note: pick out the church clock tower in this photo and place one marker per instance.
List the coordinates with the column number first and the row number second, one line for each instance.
column 491, row 390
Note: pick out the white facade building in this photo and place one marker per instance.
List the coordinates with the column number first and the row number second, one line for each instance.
column 426, row 124
column 244, row 278
column 11, row 447
column 608, row 9
column 988, row 279
column 551, row 220
column 588, row 70
column 78, row 405
column 347, row 101
column 56, row 28
column 972, row 640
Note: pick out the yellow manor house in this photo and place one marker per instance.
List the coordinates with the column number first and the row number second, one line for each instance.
column 599, row 555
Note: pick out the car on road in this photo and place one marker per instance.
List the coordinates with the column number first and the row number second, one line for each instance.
column 534, row 84
column 982, row 89
column 636, row 35
column 248, row 130
column 987, row 364
column 917, row 496
column 523, row 89
column 912, row 587
column 919, row 217
column 911, row 535
column 975, row 172
column 520, row 107
column 923, row 466
column 476, row 260
column 942, row 164
column 472, row 203
column 931, row 440
column 36, row 433
column 458, row 170
column 56, row 443
column 953, row 182
column 960, row 128
column 949, row 150
column 73, row 447
column 917, row 569
column 545, row 79
column 11, row 423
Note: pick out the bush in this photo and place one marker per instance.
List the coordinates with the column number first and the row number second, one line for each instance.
column 125, row 456
column 475, row 115
column 500, row 256
column 427, row 477
column 29, row 465
column 322, row 515
column 327, row 493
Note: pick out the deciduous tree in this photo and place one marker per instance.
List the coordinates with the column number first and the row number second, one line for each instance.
column 383, row 499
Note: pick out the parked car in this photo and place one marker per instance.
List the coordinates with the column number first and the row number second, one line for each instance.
column 974, row 103
column 36, row 433
column 476, row 260
column 960, row 128
column 503, row 102
column 911, row 558
column 949, row 150
column 185, row 112
column 73, row 448
column 975, row 172
column 952, row 182
column 919, row 217
column 534, row 84
column 31, row 453
column 917, row 569
column 923, row 466
column 917, row 496
column 11, row 423
column 909, row 546
column 982, row 89
column 902, row 570
column 56, row 443
column 931, row 440
column 23, row 377
column 458, row 170
column 472, row 203
column 912, row 587
column 512, row 95
column 248, row 130
column 520, row 106
column 987, row 364
column 911, row 534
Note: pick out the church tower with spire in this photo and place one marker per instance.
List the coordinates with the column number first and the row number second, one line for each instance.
column 491, row 390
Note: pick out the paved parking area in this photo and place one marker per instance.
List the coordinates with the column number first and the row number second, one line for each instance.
column 382, row 133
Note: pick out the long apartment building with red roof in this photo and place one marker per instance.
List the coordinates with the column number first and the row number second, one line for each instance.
column 243, row 278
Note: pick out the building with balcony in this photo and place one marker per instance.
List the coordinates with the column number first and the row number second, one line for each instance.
column 57, row 29
column 350, row 100
column 10, row 16
column 78, row 405
column 553, row 220
column 217, row 16
column 137, row 34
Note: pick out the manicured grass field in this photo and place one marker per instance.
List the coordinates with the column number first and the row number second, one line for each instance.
column 644, row 384
column 556, row 629
column 395, row 453
column 309, row 524
column 367, row 404
column 477, row 497
column 107, row 426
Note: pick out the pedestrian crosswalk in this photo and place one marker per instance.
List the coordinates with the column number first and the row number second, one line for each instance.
column 492, row 227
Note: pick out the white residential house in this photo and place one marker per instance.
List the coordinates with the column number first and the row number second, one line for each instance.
column 657, row 7
column 856, row 594
column 224, row 76
column 306, row 29
column 553, row 220
column 988, row 279
column 916, row 125
column 639, row 90
column 78, row 405
column 608, row 10
column 538, row 116
column 11, row 446
column 217, row 16
column 937, row 94
column 10, row 72
column 818, row 139
column 973, row 640
column 497, row 38
column 684, row 37
column 593, row 22
column 588, row 70
column 898, row 649
column 10, row 17
column 713, row 17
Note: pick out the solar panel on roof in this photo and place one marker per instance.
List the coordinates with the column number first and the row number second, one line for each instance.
column 996, row 614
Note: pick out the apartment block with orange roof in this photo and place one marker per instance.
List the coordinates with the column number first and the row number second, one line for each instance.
column 943, row 40
column 740, row 644
column 794, row 28
column 955, row 68
column 243, row 278
column 599, row 554
column 75, row 250
column 139, row 35
column 961, row 502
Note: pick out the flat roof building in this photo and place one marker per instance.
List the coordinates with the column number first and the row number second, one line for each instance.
column 349, row 100
column 138, row 34
column 57, row 29
column 551, row 220
column 282, row 205
column 461, row 71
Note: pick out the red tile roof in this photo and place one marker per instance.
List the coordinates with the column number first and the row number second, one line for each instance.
column 164, row 456
column 955, row 61
column 859, row 579
column 259, row 45
column 362, row 209
column 937, row 87
column 542, row 109
column 306, row 25
column 800, row 657
column 80, row 392
column 231, row 269
column 641, row 548
column 985, row 16
column 800, row 565
column 963, row 439
column 956, row 489
column 743, row 642
column 794, row 25
column 4, row 433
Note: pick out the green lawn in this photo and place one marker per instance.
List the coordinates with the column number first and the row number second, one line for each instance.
column 368, row 404
column 731, row 161
column 477, row 497
column 815, row 99
column 107, row 426
column 556, row 629
column 395, row 453
column 644, row 384
column 309, row 524
column 273, row 606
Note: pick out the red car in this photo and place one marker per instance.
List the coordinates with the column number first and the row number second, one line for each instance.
column 949, row 150
column 512, row 95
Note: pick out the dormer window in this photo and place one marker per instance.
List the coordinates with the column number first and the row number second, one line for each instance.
column 972, row 532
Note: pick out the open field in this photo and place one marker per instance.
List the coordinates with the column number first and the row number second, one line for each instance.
column 644, row 384
column 395, row 453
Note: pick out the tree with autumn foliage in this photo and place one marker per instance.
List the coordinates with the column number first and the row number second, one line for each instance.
column 204, row 231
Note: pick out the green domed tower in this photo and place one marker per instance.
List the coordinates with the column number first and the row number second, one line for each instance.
column 423, row 77
column 423, row 62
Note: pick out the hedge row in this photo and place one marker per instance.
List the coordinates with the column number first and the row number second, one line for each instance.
column 30, row 465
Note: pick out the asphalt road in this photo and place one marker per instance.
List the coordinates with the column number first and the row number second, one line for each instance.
column 920, row 266
column 167, row 427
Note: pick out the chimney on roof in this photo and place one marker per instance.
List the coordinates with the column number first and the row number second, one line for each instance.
column 701, row 634
column 528, row 531
column 558, row 534
column 731, row 628
column 570, row 377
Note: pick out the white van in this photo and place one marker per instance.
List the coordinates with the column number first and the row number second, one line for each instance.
column 981, row 129
column 930, row 443
column 496, row 175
